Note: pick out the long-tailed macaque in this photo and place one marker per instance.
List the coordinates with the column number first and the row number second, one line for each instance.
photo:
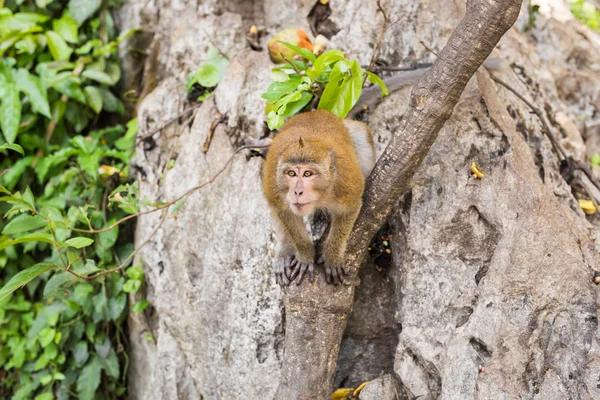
column 317, row 162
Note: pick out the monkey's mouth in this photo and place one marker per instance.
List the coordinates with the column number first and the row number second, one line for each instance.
column 299, row 206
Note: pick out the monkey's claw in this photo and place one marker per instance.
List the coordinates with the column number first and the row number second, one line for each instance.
column 284, row 268
column 301, row 269
column 334, row 274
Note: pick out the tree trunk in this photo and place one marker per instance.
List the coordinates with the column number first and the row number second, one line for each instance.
column 494, row 272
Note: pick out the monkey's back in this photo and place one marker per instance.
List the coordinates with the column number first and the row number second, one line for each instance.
column 323, row 129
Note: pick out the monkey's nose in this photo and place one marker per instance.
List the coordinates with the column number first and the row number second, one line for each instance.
column 298, row 192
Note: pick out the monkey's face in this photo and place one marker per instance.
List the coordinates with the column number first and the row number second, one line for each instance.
column 306, row 186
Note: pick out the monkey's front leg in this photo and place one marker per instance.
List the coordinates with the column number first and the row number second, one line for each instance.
column 334, row 248
column 290, row 266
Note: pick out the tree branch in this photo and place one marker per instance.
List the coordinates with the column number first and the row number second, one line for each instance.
column 316, row 314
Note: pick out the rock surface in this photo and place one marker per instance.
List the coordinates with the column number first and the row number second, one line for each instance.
column 493, row 273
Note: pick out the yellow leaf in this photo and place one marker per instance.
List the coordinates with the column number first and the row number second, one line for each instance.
column 476, row 171
column 587, row 206
column 342, row 393
column 359, row 388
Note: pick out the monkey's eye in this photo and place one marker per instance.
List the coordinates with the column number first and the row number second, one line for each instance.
column 291, row 173
column 307, row 174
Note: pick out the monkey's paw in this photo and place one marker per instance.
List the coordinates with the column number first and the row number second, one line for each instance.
column 300, row 270
column 335, row 274
column 284, row 268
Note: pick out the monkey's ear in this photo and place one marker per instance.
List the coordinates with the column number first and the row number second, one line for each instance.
column 333, row 166
column 301, row 142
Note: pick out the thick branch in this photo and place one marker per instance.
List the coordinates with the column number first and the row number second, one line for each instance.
column 316, row 314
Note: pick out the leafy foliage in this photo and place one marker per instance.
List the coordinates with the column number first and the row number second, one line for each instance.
column 586, row 12
column 63, row 177
column 331, row 76
column 204, row 80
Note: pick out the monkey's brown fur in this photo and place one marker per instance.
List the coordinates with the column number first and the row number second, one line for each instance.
column 316, row 162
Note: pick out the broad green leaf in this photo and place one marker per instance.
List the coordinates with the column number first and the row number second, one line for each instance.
column 80, row 353
column 71, row 86
column 41, row 362
column 278, row 89
column 110, row 102
column 135, row 273
column 110, row 365
column 132, row 286
column 108, row 239
column 50, row 350
column 13, row 147
column 93, row 96
column 32, row 17
column 89, row 379
column 309, row 55
column 67, row 28
column 324, row 61
column 57, row 280
column 32, row 237
column 100, row 307
column 59, row 49
column 89, row 163
column 343, row 89
column 377, row 81
column 97, row 76
column 116, row 305
column 88, row 144
column 24, row 277
column 79, row 242
column 47, row 395
column 81, row 10
column 47, row 336
column 139, row 306
column 102, row 349
column 24, row 223
column 10, row 111
column 32, row 86
column 47, row 317
column 295, row 107
column 208, row 75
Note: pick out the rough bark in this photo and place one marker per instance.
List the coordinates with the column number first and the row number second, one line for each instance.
column 494, row 272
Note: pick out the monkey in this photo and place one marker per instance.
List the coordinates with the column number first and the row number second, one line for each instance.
column 316, row 163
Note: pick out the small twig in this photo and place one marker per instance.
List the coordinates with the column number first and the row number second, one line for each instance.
column 169, row 204
column 291, row 63
column 377, row 48
column 211, row 131
column 538, row 112
column 166, row 124
column 429, row 49
column 214, row 45
column 411, row 67
column 585, row 168
column 581, row 184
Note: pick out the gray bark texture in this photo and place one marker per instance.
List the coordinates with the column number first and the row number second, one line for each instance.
column 489, row 291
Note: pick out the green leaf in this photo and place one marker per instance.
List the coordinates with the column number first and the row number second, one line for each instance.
column 89, row 379
column 32, row 86
column 32, row 237
column 10, row 111
column 24, row 277
column 109, row 238
column 309, row 55
column 278, row 89
column 208, row 75
column 343, row 89
column 132, row 286
column 14, row 147
column 323, row 62
column 57, row 280
column 89, row 163
column 79, row 242
column 24, row 223
column 67, row 28
column 93, row 96
column 71, row 86
column 110, row 364
column 80, row 353
column 110, row 102
column 100, row 307
column 139, row 306
column 377, row 81
column 102, row 349
column 81, row 10
column 116, row 305
column 47, row 336
column 595, row 161
column 59, row 49
column 50, row 350
column 295, row 107
column 47, row 395
column 135, row 273
column 97, row 76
